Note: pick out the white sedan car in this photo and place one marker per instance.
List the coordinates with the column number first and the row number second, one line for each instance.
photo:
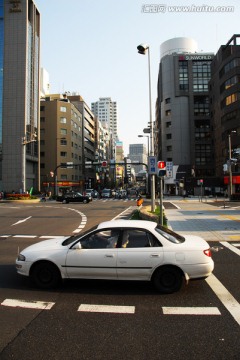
column 119, row 250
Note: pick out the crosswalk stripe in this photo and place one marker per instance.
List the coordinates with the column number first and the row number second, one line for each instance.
column 107, row 309
column 28, row 304
column 225, row 297
column 190, row 310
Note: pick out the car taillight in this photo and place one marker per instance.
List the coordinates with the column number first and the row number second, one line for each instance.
column 208, row 252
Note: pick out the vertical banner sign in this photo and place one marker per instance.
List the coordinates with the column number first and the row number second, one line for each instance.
column 152, row 165
column 169, row 169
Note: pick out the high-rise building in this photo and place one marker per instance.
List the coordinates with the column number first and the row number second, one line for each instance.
column 106, row 111
column 88, row 136
column 61, row 159
column 225, row 110
column 19, row 95
column 183, row 118
column 138, row 152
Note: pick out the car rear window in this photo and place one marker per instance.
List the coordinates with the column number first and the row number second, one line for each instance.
column 170, row 235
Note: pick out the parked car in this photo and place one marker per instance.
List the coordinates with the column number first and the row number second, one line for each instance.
column 119, row 250
column 106, row 193
column 121, row 194
column 74, row 197
column 92, row 193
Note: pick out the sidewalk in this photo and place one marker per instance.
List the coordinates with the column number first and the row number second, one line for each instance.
column 213, row 223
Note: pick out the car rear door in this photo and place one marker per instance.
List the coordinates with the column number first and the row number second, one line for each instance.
column 139, row 255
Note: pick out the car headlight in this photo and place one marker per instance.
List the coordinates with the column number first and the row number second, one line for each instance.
column 21, row 257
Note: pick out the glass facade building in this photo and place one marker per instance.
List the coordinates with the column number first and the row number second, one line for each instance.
column 19, row 95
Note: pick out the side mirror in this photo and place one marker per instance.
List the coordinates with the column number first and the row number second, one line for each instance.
column 77, row 246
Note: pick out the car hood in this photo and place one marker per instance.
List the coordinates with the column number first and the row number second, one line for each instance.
column 51, row 244
column 193, row 241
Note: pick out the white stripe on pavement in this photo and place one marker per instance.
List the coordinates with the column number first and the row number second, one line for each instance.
column 107, row 309
column 42, row 305
column 231, row 247
column 190, row 310
column 225, row 297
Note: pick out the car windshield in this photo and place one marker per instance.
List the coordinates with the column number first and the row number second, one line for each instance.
column 75, row 238
column 170, row 235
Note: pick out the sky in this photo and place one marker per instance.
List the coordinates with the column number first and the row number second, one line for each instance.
column 90, row 47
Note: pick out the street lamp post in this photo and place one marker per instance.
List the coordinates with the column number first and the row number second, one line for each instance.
column 147, row 142
column 24, row 143
column 230, row 163
column 142, row 50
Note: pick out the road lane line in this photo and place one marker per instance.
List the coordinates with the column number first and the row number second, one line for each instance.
column 230, row 247
column 25, row 236
column 107, row 309
column 225, row 297
column 40, row 305
column 190, row 310
column 21, row 221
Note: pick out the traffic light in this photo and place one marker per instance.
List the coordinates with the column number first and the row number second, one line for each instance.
column 161, row 168
column 104, row 163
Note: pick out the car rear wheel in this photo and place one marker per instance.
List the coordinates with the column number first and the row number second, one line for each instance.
column 85, row 201
column 167, row 279
column 45, row 275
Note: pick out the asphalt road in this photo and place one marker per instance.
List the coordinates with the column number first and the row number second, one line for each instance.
column 109, row 319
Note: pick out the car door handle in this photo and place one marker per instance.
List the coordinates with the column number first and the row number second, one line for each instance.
column 109, row 256
column 155, row 255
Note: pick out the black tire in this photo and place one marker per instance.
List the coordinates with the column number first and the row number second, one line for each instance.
column 167, row 279
column 45, row 275
column 85, row 201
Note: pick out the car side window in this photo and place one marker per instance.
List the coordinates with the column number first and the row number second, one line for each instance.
column 101, row 239
column 133, row 238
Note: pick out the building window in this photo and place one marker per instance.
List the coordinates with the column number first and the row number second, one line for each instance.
column 63, row 109
column 63, row 153
column 183, row 75
column 63, row 177
column 201, row 71
column 63, row 131
column 167, row 101
column 63, row 141
column 168, row 124
column 42, row 108
column 230, row 100
column 203, row 154
column 168, row 112
column 63, row 120
column 169, row 148
column 202, row 130
column 168, row 136
column 201, row 106
column 42, row 119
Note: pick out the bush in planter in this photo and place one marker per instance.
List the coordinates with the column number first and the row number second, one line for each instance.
column 17, row 196
column 235, row 197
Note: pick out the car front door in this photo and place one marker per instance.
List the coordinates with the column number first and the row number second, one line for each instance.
column 94, row 258
column 139, row 255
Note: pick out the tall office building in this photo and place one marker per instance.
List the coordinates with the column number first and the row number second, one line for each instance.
column 225, row 110
column 106, row 111
column 138, row 152
column 183, row 117
column 19, row 95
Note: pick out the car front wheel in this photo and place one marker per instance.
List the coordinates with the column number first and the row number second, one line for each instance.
column 45, row 275
column 167, row 279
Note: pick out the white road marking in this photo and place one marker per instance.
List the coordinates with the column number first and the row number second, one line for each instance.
column 20, row 221
column 190, row 310
column 107, row 309
column 237, row 244
column 25, row 236
column 41, row 305
column 225, row 297
column 231, row 247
